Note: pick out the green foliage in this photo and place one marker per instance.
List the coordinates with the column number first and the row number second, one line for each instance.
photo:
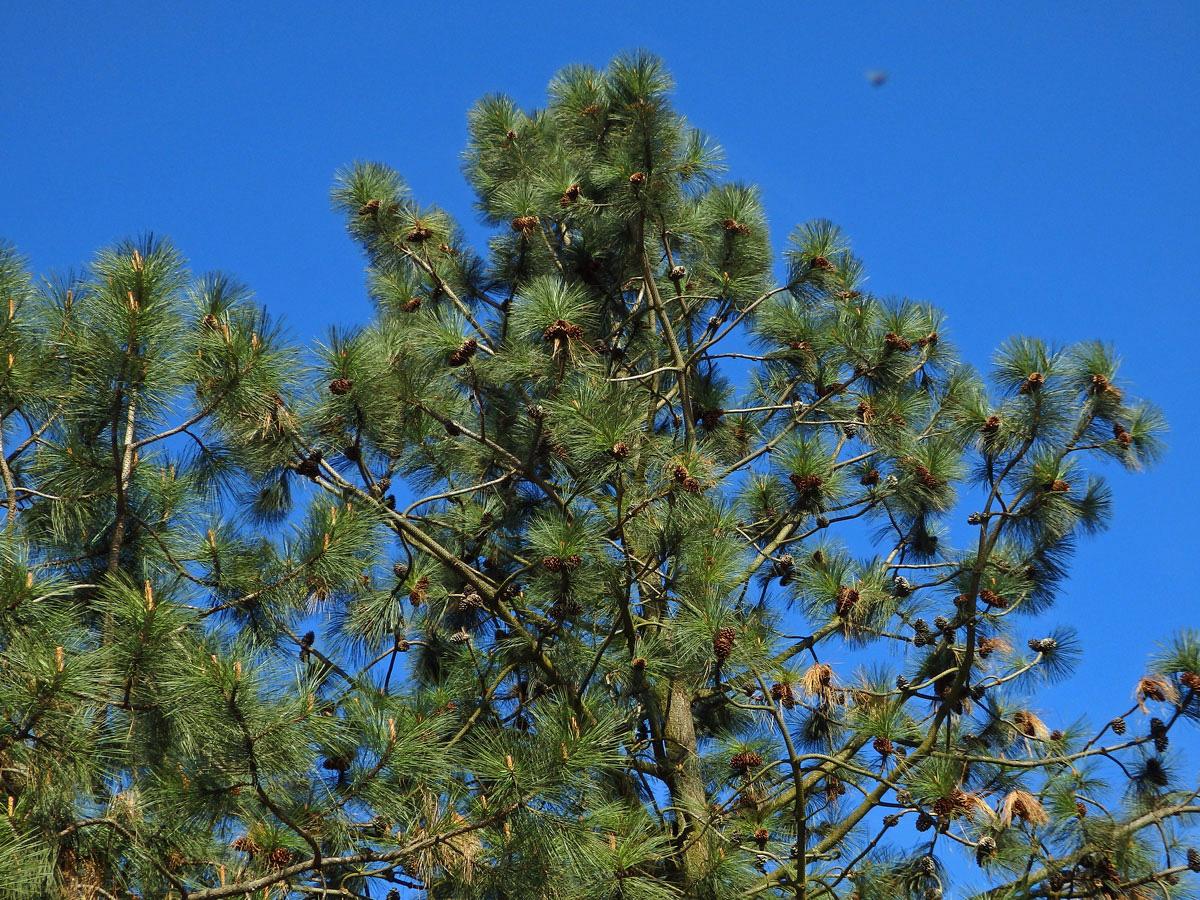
column 521, row 589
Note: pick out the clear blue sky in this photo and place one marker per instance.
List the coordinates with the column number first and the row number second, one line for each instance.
column 1030, row 167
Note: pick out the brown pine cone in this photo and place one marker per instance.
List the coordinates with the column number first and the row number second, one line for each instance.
column 418, row 234
column 820, row 262
column 1193, row 859
column 419, row 592
column 525, row 224
column 638, row 663
column 895, row 342
column 280, row 857
column 562, row 330
column 784, row 694
column 870, row 479
column 570, row 195
column 883, row 746
column 552, row 564
column 943, row 807
column 465, row 351
column 735, row 227
column 619, row 450
column 745, row 761
column 1190, row 680
column 991, row 426
column 340, row 386
column 1032, row 383
column 1117, row 725
column 924, row 821
column 723, row 643
column 637, row 178
column 927, row 478
column 1080, row 809
column 370, row 208
column 991, row 598
column 761, row 836
column 930, row 339
column 846, row 598
column 412, row 305
column 691, row 485
column 806, row 484
column 679, row 473
column 246, row 844
column 1101, row 385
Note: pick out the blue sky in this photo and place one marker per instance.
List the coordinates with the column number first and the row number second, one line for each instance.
column 1029, row 167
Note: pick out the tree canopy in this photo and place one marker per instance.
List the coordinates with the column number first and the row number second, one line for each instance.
column 628, row 559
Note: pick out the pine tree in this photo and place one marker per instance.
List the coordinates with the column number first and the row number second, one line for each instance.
column 500, row 599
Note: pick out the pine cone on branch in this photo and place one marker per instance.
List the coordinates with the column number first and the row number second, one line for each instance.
column 991, row 598
column 563, row 331
column 846, row 598
column 419, row 592
column 1033, row 383
column 806, row 485
column 463, row 354
column 723, row 643
column 745, row 761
